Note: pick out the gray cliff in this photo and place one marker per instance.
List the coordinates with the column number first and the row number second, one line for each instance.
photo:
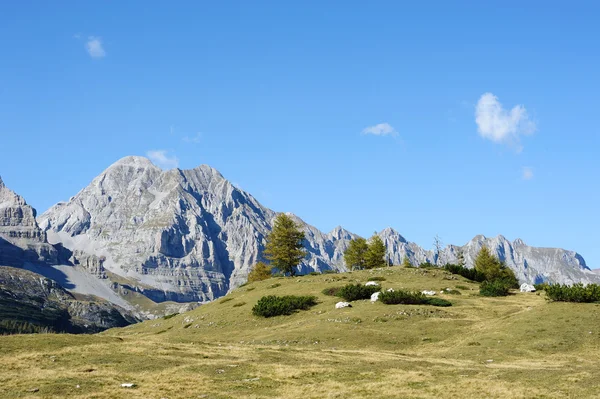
column 190, row 235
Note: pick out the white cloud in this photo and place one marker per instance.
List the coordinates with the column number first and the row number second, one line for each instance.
column 162, row 159
column 94, row 47
column 527, row 173
column 382, row 129
column 194, row 139
column 500, row 125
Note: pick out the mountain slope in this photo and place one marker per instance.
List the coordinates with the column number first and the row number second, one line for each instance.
column 190, row 235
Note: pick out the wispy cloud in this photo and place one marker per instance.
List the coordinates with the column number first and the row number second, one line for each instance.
column 94, row 47
column 193, row 139
column 382, row 129
column 500, row 125
column 527, row 173
column 163, row 159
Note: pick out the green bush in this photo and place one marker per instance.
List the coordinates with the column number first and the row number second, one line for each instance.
column 410, row 298
column 169, row 316
column 438, row 302
column 329, row 272
column 271, row 305
column 377, row 278
column 470, row 274
column 497, row 287
column 314, row 274
column 354, row 292
column 237, row 305
column 574, row 293
column 427, row 265
column 402, row 298
column 450, row 291
column 541, row 286
column 332, row 291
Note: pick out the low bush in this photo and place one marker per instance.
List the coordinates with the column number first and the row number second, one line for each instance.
column 237, row 305
column 354, row 292
column 574, row 293
column 377, row 278
column 438, row 302
column 225, row 300
column 427, row 265
column 541, row 286
column 329, row 272
column 410, row 298
column 170, row 316
column 402, row 298
column 271, row 305
column 314, row 274
column 332, row 291
column 495, row 288
column 274, row 285
column 470, row 274
column 462, row 287
column 451, row 291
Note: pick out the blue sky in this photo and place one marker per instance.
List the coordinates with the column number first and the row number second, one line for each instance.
column 433, row 118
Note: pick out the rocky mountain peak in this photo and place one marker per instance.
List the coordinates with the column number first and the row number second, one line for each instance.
column 391, row 233
column 17, row 219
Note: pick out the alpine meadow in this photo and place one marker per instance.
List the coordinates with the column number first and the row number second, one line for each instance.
column 299, row 200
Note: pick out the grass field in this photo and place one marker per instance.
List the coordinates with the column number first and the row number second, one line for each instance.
column 512, row 347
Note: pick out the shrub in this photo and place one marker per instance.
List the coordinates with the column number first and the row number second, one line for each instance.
column 237, row 305
column 451, row 291
column 470, row 274
column 328, row 272
column 225, row 300
column 271, row 305
column 494, row 269
column 170, row 316
column 314, row 273
column 427, row 265
column 497, row 287
column 541, row 286
column 402, row 298
column 462, row 287
column 274, row 285
column 377, row 278
column 354, row 292
column 332, row 291
column 261, row 271
column 438, row 302
column 575, row 293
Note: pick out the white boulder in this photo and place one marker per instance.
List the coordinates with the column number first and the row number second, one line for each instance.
column 527, row 288
column 390, row 290
column 428, row 293
column 371, row 283
column 375, row 297
column 341, row 305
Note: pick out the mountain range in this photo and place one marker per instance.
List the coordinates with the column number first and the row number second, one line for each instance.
column 180, row 236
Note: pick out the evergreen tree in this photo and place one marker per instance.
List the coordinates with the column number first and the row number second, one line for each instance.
column 487, row 264
column 284, row 246
column 261, row 271
column 406, row 261
column 355, row 255
column 375, row 256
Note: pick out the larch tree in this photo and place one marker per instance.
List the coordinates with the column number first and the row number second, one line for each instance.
column 285, row 248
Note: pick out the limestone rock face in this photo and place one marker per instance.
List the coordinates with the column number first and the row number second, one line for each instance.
column 190, row 235
column 31, row 303
column 21, row 239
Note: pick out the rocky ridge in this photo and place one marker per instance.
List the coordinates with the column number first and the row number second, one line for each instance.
column 190, row 235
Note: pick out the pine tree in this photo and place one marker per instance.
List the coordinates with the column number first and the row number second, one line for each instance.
column 261, row 271
column 375, row 256
column 406, row 262
column 285, row 248
column 355, row 254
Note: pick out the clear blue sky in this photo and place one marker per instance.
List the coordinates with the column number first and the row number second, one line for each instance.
column 284, row 99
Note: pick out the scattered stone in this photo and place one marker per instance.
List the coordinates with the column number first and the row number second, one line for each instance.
column 33, row 390
column 128, row 385
column 428, row 293
column 375, row 297
column 527, row 288
column 371, row 283
column 341, row 305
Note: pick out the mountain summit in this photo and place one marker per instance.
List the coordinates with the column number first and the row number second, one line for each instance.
column 191, row 235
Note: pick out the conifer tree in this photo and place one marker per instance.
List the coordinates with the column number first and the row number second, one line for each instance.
column 260, row 272
column 406, row 261
column 355, row 255
column 285, row 248
column 375, row 256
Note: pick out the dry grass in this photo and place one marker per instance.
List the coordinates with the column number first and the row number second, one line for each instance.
column 519, row 346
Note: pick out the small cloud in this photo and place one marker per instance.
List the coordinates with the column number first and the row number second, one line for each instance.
column 194, row 139
column 94, row 47
column 527, row 173
column 500, row 125
column 382, row 129
column 162, row 159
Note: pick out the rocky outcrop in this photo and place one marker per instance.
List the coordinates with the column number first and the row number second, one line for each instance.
column 30, row 302
column 190, row 235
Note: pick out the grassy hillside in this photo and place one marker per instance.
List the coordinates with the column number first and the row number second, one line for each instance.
column 517, row 346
